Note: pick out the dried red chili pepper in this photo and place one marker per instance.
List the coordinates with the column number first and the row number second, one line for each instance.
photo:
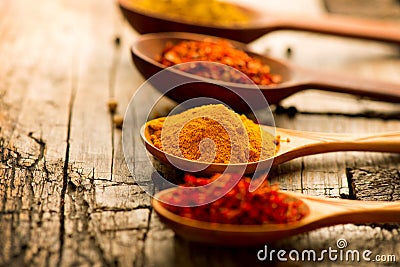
column 238, row 206
column 220, row 51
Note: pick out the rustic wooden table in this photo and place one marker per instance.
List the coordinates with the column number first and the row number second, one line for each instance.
column 67, row 198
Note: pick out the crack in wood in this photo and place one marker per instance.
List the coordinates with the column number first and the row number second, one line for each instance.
column 112, row 81
column 302, row 176
column 113, row 129
column 65, row 176
column 42, row 149
column 368, row 114
column 138, row 207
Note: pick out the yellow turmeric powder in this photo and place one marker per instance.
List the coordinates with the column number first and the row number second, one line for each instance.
column 212, row 133
column 199, row 11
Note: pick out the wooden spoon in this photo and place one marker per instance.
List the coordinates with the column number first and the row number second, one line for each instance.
column 260, row 24
column 322, row 212
column 293, row 144
column 148, row 48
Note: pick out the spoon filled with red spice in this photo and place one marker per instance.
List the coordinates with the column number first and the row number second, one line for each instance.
column 243, row 218
column 276, row 79
column 147, row 21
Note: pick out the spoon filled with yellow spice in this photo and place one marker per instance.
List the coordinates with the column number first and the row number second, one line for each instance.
column 213, row 139
column 245, row 24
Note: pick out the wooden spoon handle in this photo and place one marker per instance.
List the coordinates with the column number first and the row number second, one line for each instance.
column 378, row 90
column 382, row 142
column 346, row 26
column 310, row 143
column 340, row 211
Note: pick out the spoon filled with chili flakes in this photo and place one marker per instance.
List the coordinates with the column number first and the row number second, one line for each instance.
column 276, row 79
column 220, row 51
column 244, row 218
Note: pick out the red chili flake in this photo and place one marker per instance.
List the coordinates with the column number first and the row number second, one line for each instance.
column 238, row 206
column 220, row 51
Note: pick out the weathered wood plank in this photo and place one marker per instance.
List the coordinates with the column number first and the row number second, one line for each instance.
column 33, row 133
column 126, row 81
column 36, row 177
column 118, row 210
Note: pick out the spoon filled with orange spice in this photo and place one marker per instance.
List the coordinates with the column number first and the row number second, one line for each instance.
column 276, row 79
column 213, row 139
column 243, row 218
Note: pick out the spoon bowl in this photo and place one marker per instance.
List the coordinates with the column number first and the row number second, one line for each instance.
column 150, row 22
column 322, row 212
column 292, row 144
column 148, row 48
column 261, row 24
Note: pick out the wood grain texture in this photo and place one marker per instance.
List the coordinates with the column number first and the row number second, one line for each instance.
column 370, row 183
column 67, row 197
column 384, row 9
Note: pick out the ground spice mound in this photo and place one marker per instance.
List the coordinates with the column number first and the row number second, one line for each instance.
column 237, row 205
column 212, row 133
column 199, row 11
